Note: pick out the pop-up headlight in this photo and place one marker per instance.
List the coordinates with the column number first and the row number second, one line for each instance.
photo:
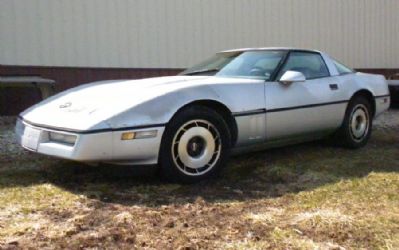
column 63, row 138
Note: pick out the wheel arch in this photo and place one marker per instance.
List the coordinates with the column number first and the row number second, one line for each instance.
column 221, row 109
column 369, row 96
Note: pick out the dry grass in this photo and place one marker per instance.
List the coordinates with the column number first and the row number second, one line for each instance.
column 310, row 196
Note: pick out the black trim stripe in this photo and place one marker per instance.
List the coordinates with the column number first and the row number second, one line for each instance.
column 123, row 129
column 305, row 106
column 250, row 112
column 381, row 96
column 94, row 131
column 236, row 114
column 262, row 111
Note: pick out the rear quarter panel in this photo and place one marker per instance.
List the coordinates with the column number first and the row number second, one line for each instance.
column 375, row 84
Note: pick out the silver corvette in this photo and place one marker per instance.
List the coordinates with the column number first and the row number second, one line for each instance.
column 236, row 101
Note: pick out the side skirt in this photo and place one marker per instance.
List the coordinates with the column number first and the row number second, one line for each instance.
column 281, row 143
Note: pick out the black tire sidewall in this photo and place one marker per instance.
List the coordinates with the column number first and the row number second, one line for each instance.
column 167, row 166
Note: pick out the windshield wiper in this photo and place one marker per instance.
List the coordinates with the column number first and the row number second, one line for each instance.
column 202, row 71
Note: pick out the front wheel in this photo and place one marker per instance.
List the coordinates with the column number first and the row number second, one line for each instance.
column 195, row 146
column 356, row 128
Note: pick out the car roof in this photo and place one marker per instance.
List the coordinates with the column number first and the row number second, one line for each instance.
column 269, row 48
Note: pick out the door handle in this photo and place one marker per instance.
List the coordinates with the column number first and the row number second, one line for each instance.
column 334, row 86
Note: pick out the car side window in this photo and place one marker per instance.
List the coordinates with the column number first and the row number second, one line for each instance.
column 310, row 64
column 342, row 69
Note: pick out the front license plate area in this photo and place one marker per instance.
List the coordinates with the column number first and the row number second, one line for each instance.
column 31, row 137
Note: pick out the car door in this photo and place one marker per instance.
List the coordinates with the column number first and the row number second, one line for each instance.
column 308, row 108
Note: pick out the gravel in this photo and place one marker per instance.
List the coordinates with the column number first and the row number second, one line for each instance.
column 388, row 119
column 9, row 149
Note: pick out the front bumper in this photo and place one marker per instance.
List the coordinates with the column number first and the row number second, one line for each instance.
column 92, row 147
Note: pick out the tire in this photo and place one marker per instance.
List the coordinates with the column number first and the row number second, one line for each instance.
column 356, row 129
column 195, row 145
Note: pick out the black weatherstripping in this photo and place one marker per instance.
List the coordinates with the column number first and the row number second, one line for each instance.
column 94, row 131
column 263, row 111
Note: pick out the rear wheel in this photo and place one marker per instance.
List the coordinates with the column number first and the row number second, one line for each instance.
column 195, row 146
column 356, row 128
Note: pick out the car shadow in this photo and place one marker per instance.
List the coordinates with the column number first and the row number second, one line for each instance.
column 258, row 175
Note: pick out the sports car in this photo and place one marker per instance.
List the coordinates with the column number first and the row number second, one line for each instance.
column 188, row 125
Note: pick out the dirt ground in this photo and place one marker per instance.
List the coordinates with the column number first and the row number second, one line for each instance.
column 308, row 196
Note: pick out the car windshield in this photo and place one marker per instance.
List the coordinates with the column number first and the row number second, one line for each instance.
column 248, row 64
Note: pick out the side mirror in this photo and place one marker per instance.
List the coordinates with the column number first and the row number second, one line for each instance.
column 291, row 77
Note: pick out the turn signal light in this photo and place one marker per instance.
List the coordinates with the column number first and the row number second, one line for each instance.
column 128, row 136
column 139, row 135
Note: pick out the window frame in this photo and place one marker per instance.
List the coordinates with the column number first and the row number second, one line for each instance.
column 285, row 60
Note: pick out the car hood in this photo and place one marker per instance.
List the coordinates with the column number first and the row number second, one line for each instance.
column 90, row 106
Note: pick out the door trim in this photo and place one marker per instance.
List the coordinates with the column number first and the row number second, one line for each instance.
column 306, row 106
column 262, row 111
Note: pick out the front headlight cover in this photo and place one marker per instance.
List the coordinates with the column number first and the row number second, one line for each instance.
column 63, row 138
